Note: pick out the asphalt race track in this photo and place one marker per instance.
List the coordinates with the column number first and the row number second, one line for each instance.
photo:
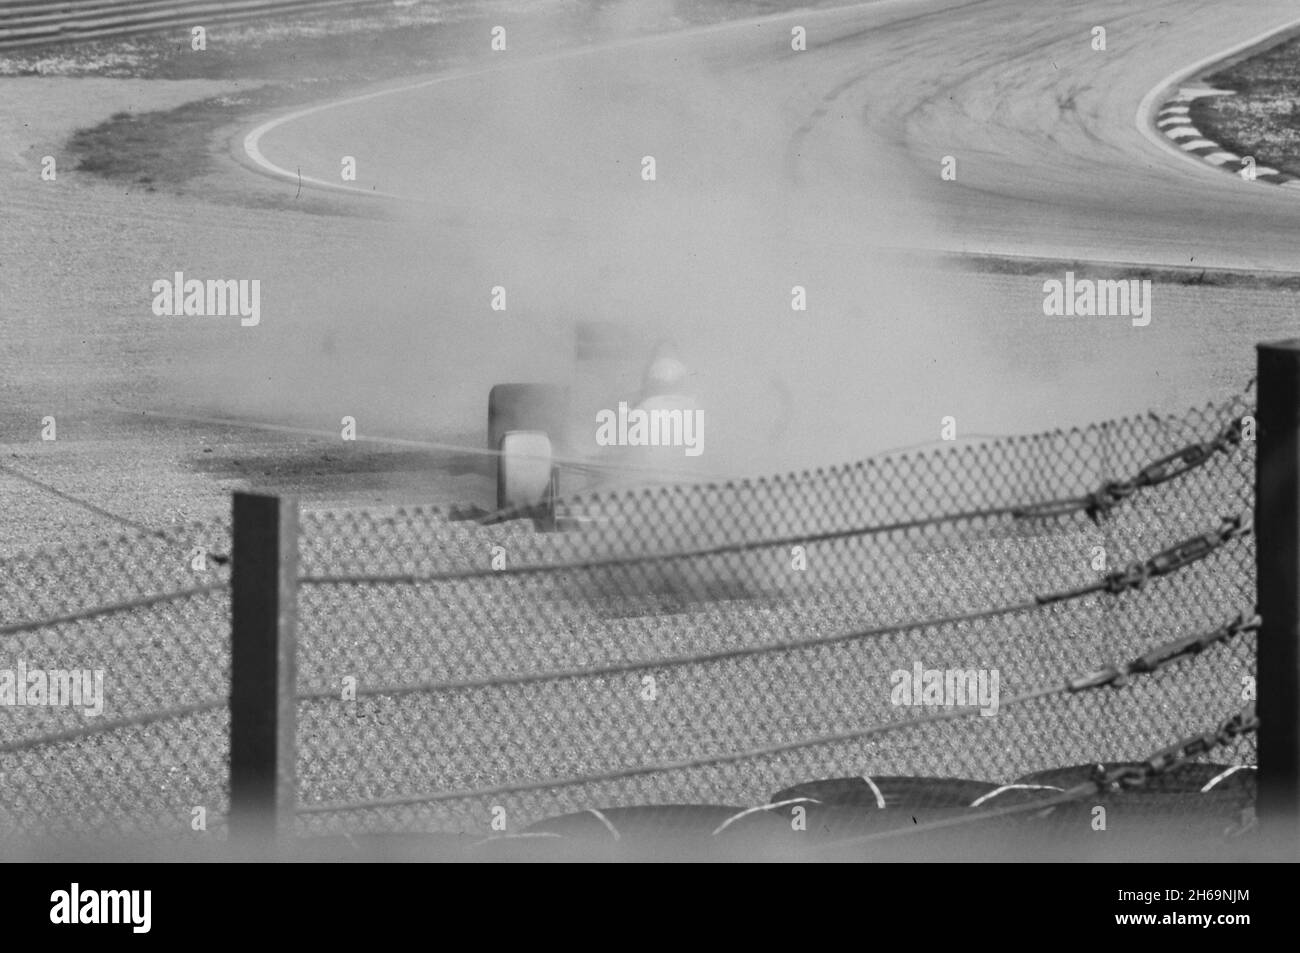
column 1051, row 158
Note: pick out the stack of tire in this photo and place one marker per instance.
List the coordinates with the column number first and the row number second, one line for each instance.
column 889, row 816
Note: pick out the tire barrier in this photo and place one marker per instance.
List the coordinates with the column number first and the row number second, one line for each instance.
column 1183, row 779
column 654, row 824
column 1205, row 801
column 883, row 793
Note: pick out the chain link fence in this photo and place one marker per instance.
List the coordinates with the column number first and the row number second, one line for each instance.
column 114, row 678
column 704, row 645
column 713, row 645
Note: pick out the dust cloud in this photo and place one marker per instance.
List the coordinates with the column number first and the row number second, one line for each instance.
column 532, row 180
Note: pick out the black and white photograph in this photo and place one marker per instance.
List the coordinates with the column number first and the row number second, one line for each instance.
column 654, row 431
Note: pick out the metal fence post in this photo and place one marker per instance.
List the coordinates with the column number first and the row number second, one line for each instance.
column 263, row 609
column 1277, row 543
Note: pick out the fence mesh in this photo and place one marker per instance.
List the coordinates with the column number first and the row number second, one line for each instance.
column 138, row 749
column 706, row 645
column 712, row 645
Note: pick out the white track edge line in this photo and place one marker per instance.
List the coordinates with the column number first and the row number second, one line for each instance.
column 252, row 140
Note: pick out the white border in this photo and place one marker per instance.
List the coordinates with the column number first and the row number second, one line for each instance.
column 252, row 141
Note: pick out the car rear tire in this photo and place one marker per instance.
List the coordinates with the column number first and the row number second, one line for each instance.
column 525, row 472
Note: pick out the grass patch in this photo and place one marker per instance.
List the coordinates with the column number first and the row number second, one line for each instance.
column 1190, row 276
column 1262, row 119
column 162, row 148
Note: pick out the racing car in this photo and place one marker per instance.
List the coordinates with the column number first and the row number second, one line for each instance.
column 582, row 435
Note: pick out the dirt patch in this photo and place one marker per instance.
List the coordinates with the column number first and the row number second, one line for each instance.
column 1262, row 120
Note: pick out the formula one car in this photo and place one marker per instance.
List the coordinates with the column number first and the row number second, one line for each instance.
column 614, row 423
